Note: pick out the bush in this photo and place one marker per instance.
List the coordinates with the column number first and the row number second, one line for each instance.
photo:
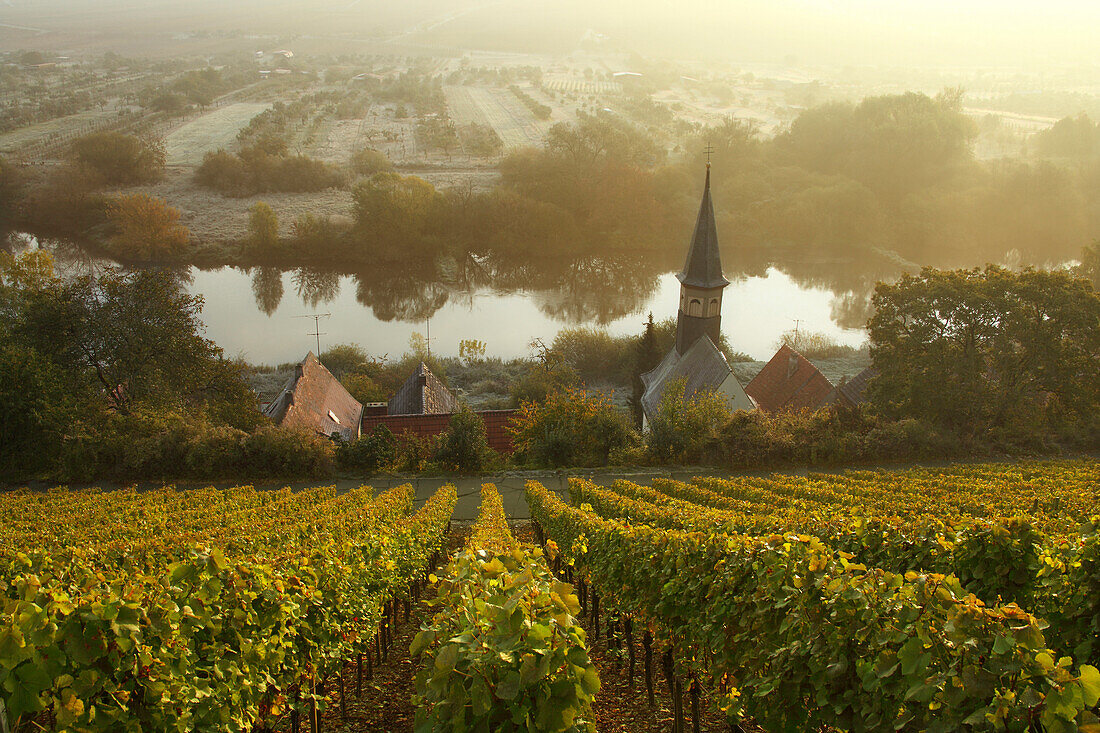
column 593, row 354
column 413, row 452
column 367, row 162
column 118, row 159
column 153, row 444
column 571, row 428
column 256, row 170
column 368, row 453
column 686, row 429
column 814, row 345
column 146, row 228
column 464, row 446
column 224, row 172
column 275, row 451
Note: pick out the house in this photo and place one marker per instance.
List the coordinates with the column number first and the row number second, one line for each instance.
column 315, row 400
column 423, row 406
column 423, row 393
column 696, row 358
column 789, row 383
column 852, row 392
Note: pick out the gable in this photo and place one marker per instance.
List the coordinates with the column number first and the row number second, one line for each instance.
column 789, row 382
column 703, row 367
column 315, row 400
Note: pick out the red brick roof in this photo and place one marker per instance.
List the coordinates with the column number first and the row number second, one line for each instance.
column 789, row 382
column 315, row 400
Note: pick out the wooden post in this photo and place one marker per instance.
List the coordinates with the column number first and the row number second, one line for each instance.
column 696, row 723
column 647, row 646
column 359, row 675
column 314, row 720
column 628, row 627
column 678, row 708
column 666, row 665
column 294, row 724
column 370, row 665
column 582, row 596
column 344, row 697
column 596, row 613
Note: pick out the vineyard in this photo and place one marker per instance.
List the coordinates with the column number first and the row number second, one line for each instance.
column 946, row 599
column 200, row 610
column 951, row 599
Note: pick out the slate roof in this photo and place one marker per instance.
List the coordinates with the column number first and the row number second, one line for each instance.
column 854, row 391
column 423, row 393
column 789, row 382
column 315, row 400
column 703, row 268
column 704, row 366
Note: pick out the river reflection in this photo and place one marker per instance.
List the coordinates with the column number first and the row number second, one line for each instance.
column 250, row 312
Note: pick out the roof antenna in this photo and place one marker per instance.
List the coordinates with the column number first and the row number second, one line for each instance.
column 707, row 151
column 316, row 328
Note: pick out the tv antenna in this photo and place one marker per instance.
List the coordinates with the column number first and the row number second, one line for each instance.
column 796, row 322
column 316, row 328
column 707, row 152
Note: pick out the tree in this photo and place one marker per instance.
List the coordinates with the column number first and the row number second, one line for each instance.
column 647, row 356
column 119, row 159
column 263, row 229
column 981, row 350
column 464, row 445
column 127, row 337
column 392, row 212
column 146, row 229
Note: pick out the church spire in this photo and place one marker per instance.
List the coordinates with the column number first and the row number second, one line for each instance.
column 701, row 281
column 703, row 268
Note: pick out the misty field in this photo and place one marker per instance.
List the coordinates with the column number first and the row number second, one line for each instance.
column 186, row 145
column 498, row 108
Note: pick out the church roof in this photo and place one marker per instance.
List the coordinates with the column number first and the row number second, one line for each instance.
column 789, row 382
column 703, row 365
column 703, row 268
column 423, row 393
column 315, row 400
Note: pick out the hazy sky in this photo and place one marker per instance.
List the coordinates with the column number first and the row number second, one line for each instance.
column 1005, row 33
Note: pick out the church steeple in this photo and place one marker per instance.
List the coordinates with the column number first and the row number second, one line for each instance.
column 703, row 268
column 701, row 281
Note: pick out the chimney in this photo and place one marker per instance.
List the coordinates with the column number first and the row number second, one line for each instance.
column 792, row 365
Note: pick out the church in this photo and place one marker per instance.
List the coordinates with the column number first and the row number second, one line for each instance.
column 696, row 357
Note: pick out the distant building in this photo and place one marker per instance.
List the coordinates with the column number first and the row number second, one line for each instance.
column 789, row 383
column 315, row 400
column 696, row 357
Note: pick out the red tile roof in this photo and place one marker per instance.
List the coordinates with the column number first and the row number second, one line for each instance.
column 789, row 382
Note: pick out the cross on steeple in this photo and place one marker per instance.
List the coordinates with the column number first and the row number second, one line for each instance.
column 707, row 151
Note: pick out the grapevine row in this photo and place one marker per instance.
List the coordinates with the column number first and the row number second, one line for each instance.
column 202, row 639
column 503, row 652
column 795, row 635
